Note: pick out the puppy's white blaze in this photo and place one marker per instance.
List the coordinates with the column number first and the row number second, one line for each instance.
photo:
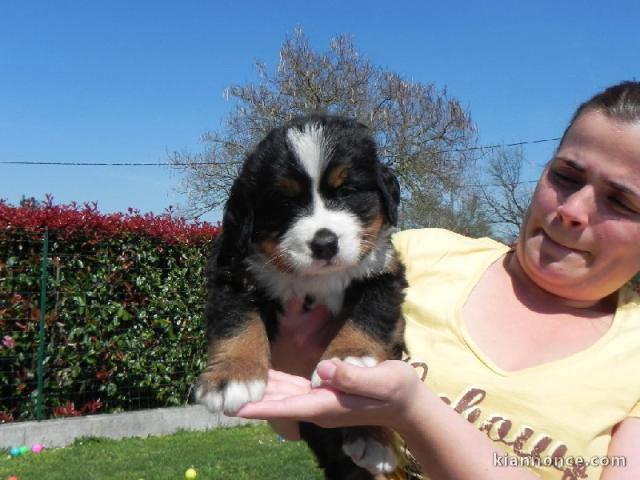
column 371, row 455
column 236, row 394
column 362, row 361
column 309, row 146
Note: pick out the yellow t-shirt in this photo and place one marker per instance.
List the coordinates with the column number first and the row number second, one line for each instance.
column 547, row 417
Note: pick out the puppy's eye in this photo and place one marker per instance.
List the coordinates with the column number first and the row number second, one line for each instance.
column 347, row 189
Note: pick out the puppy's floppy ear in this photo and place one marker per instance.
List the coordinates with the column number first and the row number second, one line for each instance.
column 389, row 192
column 237, row 225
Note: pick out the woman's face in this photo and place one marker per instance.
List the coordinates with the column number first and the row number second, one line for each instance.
column 581, row 237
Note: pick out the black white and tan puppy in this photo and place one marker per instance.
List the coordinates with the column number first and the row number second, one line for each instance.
column 309, row 217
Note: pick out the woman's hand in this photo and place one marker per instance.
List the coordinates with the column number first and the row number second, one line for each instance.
column 350, row 395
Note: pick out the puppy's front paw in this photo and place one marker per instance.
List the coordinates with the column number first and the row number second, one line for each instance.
column 371, row 455
column 220, row 390
column 365, row 361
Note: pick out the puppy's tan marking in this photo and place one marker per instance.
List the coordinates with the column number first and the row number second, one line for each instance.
column 268, row 247
column 243, row 357
column 353, row 342
column 271, row 249
column 289, row 187
column 394, row 266
column 337, row 176
column 370, row 235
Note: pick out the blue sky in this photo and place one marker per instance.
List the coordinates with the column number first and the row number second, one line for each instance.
column 130, row 81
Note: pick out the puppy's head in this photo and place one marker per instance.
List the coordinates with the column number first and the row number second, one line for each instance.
column 312, row 198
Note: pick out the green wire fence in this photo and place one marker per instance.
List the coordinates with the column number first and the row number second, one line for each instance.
column 97, row 324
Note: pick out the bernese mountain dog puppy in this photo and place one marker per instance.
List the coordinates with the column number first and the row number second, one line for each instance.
column 309, row 217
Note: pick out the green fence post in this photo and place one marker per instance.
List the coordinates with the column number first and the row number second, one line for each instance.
column 41, row 336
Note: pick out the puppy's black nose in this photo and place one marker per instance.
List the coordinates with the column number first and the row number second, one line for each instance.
column 324, row 244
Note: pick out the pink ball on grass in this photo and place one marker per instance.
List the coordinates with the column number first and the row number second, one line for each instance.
column 36, row 448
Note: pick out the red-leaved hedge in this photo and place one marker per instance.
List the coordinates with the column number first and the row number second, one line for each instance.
column 85, row 220
column 124, row 296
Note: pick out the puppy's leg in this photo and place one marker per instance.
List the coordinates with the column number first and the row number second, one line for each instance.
column 237, row 368
column 353, row 346
column 372, row 322
column 372, row 332
column 371, row 448
column 327, row 446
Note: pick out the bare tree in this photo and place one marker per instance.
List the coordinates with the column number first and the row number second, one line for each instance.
column 423, row 133
column 506, row 196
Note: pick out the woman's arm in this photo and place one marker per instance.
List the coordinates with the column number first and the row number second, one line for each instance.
column 392, row 395
column 447, row 446
column 625, row 443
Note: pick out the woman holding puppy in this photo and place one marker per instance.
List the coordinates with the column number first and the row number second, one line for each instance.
column 533, row 351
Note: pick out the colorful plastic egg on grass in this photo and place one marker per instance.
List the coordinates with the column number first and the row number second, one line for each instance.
column 37, row 448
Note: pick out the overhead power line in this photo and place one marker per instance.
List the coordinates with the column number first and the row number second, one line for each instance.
column 181, row 164
column 97, row 164
column 502, row 145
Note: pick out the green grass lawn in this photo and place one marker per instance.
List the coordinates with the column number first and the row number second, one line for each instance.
column 250, row 452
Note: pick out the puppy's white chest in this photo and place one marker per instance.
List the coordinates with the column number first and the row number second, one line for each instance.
column 326, row 290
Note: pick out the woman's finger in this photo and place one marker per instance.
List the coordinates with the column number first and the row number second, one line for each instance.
column 320, row 404
column 285, row 387
column 271, row 407
column 295, row 407
column 380, row 382
column 279, row 376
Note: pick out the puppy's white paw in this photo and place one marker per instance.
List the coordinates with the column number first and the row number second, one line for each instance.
column 361, row 361
column 365, row 361
column 232, row 397
column 371, row 455
column 316, row 381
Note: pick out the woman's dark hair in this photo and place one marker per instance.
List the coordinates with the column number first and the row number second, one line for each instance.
column 620, row 102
